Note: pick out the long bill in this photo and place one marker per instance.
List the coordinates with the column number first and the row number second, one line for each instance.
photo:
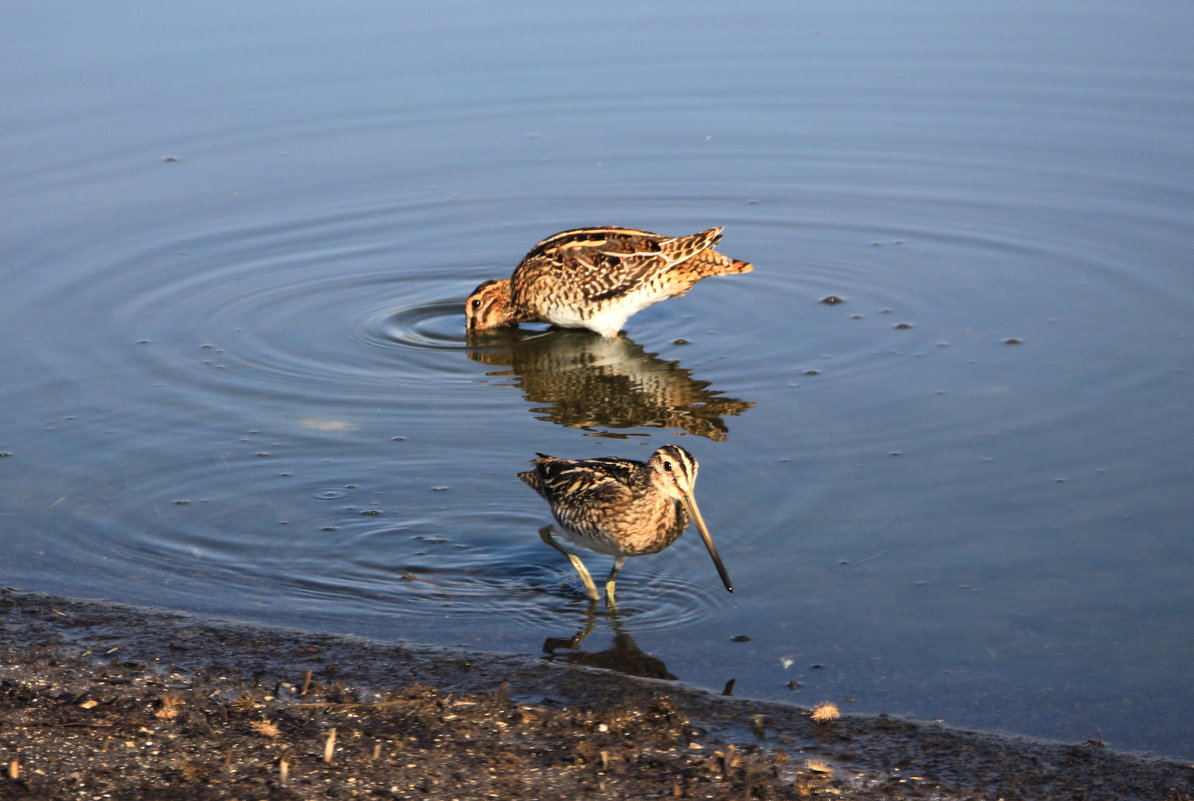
column 695, row 513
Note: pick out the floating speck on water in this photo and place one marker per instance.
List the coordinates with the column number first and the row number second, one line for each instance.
column 4, row 454
column 262, row 453
column 142, row 341
column 812, row 372
column 285, row 475
column 885, row 311
column 752, row 202
column 817, row 666
column 740, row 638
column 328, row 528
column 856, row 317
column 371, row 512
column 943, row 344
column 876, row 244
column 397, row 439
column 679, row 341
column 181, row 502
column 170, row 159
column 206, row 346
column 429, row 540
column 896, row 453
column 793, row 685
column 902, row 326
column 1012, row 341
column 440, row 488
column 1059, row 480
column 832, row 300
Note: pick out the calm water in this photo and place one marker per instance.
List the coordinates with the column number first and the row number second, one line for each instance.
column 235, row 380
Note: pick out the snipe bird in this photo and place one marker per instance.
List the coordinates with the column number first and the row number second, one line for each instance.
column 620, row 507
column 596, row 278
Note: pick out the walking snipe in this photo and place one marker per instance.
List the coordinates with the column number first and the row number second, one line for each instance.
column 621, row 507
column 596, row 278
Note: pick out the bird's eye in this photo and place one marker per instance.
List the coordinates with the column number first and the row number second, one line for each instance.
column 477, row 304
column 667, row 466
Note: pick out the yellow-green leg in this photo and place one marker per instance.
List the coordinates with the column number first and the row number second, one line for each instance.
column 590, row 587
column 609, row 582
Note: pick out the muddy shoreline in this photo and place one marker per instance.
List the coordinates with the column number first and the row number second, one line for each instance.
column 99, row 699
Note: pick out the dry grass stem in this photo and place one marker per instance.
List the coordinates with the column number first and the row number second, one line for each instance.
column 330, row 745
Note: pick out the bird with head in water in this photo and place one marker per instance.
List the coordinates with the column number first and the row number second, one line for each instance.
column 596, row 278
column 621, row 507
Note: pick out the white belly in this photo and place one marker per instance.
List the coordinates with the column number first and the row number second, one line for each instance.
column 607, row 322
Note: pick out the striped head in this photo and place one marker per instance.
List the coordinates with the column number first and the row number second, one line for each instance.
column 674, row 472
column 489, row 306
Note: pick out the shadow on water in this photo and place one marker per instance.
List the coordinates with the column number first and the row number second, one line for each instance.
column 623, row 655
column 588, row 382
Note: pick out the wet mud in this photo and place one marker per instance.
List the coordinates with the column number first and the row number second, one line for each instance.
column 100, row 700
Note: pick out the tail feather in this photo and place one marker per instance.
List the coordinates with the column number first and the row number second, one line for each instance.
column 531, row 478
column 710, row 262
column 684, row 247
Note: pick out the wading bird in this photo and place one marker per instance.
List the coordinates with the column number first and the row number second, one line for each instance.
column 596, row 278
column 621, row 507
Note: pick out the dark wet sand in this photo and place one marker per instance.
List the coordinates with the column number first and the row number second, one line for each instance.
column 99, row 700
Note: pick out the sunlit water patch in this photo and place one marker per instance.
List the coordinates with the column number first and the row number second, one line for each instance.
column 237, row 379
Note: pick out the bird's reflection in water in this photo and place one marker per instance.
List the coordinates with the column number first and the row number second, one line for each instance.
column 588, row 381
column 623, row 656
